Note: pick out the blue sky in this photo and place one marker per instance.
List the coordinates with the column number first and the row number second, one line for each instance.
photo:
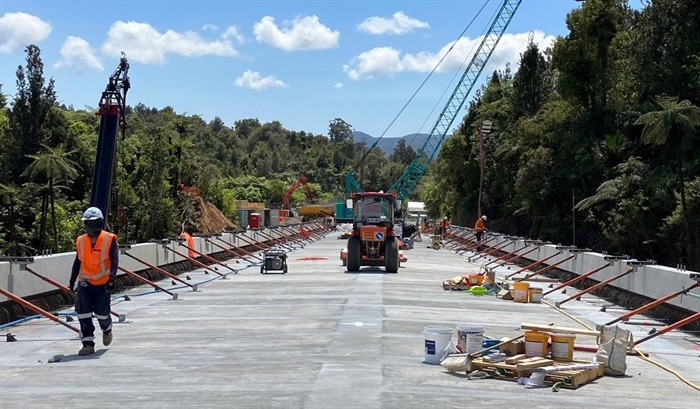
column 302, row 63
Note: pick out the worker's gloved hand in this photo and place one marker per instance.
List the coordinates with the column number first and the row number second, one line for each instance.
column 110, row 284
column 72, row 287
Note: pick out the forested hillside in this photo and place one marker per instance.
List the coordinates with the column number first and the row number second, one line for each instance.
column 48, row 155
column 594, row 142
column 606, row 120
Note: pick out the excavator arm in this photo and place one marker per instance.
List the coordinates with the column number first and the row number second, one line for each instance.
column 301, row 180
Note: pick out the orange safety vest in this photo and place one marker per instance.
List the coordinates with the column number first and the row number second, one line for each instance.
column 190, row 244
column 480, row 226
column 94, row 261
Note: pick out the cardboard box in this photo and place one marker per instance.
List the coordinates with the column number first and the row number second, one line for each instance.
column 512, row 348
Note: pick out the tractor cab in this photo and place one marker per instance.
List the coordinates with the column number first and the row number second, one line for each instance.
column 373, row 241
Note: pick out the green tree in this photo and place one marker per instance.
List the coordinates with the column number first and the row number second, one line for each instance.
column 532, row 84
column 53, row 165
column 673, row 126
column 339, row 130
column 14, row 203
column 28, row 118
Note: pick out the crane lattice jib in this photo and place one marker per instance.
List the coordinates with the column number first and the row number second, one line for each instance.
column 416, row 170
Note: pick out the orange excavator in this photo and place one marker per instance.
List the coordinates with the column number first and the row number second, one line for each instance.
column 307, row 212
column 301, row 180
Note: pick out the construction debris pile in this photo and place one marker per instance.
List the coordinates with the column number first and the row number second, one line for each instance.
column 542, row 356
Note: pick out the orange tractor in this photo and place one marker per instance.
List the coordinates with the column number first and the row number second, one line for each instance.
column 372, row 241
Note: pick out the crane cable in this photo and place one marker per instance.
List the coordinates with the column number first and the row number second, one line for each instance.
column 454, row 77
column 364, row 157
column 635, row 349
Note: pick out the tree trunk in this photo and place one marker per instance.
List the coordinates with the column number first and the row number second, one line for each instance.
column 42, row 223
column 53, row 216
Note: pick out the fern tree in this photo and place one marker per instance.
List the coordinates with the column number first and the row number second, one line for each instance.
column 673, row 125
column 53, row 165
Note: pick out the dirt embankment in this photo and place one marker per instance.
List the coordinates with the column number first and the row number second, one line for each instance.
column 210, row 219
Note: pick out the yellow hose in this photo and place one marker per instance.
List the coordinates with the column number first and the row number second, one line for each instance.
column 637, row 350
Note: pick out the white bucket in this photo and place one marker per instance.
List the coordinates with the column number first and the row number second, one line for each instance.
column 436, row 340
column 469, row 337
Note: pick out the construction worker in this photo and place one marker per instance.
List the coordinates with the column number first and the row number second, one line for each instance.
column 444, row 223
column 189, row 241
column 95, row 268
column 479, row 229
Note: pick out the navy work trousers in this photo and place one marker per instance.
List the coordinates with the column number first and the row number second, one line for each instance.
column 93, row 299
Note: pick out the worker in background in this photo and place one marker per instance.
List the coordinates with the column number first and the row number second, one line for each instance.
column 444, row 223
column 479, row 229
column 189, row 241
column 95, row 268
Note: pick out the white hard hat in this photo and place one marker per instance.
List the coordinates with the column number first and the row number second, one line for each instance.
column 484, row 217
column 93, row 213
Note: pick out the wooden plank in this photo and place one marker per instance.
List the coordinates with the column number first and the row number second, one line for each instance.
column 514, row 359
column 533, row 363
column 559, row 330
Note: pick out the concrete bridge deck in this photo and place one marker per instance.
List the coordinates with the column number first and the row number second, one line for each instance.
column 317, row 337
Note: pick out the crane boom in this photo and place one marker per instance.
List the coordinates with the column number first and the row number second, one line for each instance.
column 112, row 111
column 417, row 169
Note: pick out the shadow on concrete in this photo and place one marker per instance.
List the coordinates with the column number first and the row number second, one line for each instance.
column 76, row 357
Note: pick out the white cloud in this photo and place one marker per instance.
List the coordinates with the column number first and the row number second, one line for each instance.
column 232, row 31
column 254, row 80
column 143, row 43
column 77, row 52
column 21, row 29
column 398, row 24
column 380, row 60
column 386, row 60
column 338, row 85
column 210, row 27
column 304, row 33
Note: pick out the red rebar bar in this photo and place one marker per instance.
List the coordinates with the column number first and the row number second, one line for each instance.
column 577, row 279
column 146, row 281
column 504, row 256
column 59, row 285
column 595, row 287
column 36, row 309
column 200, row 264
column 208, row 257
column 274, row 240
column 160, row 270
column 491, row 251
column 653, row 304
column 670, row 327
column 481, row 243
column 534, row 264
column 259, row 244
column 233, row 253
column 241, row 249
column 542, row 270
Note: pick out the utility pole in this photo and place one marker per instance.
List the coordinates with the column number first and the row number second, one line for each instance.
column 484, row 130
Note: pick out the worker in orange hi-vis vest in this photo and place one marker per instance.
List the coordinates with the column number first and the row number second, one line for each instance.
column 444, row 224
column 479, row 229
column 189, row 241
column 95, row 268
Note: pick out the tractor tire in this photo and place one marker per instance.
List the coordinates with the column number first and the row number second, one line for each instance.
column 391, row 255
column 354, row 253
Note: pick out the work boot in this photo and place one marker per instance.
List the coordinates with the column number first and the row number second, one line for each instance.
column 86, row 350
column 107, row 338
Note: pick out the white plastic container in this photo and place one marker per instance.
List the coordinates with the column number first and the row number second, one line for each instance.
column 470, row 336
column 436, row 340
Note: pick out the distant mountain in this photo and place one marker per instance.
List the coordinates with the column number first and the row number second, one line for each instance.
column 414, row 140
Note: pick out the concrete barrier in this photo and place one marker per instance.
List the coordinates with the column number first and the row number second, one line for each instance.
column 58, row 266
column 653, row 281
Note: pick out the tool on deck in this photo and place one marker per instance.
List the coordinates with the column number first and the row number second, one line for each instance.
column 463, row 362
